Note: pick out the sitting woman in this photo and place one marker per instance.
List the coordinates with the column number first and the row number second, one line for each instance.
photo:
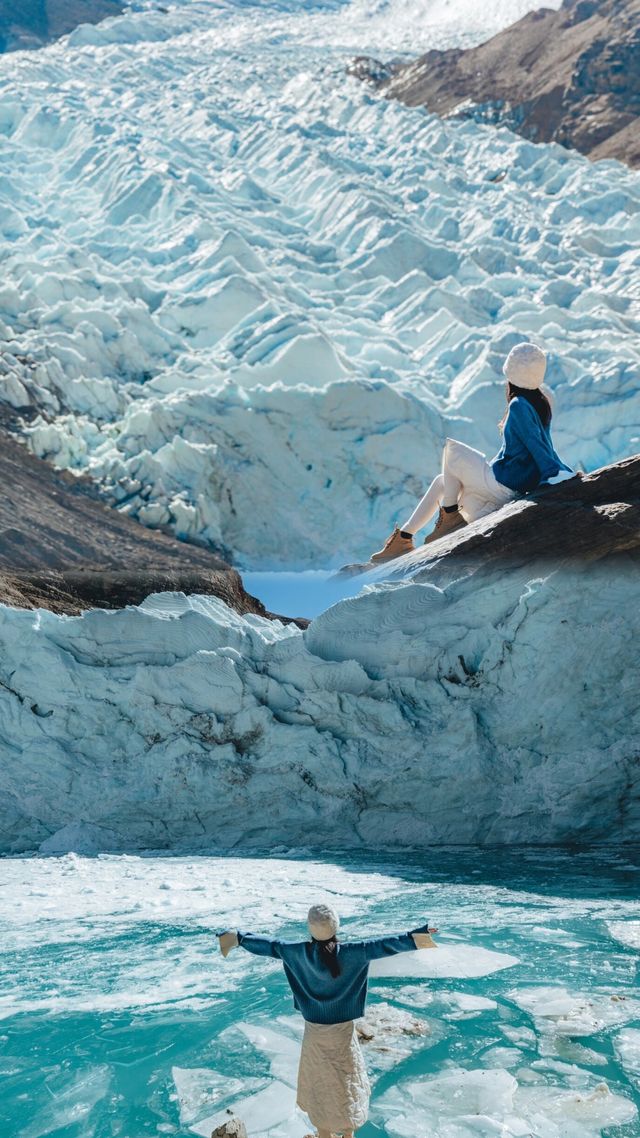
column 470, row 487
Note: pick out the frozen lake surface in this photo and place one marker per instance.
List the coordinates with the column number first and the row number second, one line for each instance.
column 119, row 1016
column 300, row 594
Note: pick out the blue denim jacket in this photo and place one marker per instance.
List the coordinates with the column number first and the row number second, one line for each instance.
column 526, row 457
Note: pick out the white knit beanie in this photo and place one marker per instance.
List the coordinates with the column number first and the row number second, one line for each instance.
column 323, row 922
column 525, row 366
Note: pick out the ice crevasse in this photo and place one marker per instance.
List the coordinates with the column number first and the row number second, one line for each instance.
column 408, row 715
column 251, row 298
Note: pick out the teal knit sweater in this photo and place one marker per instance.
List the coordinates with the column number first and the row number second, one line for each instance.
column 320, row 997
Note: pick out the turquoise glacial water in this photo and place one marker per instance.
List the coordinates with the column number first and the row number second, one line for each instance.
column 119, row 1017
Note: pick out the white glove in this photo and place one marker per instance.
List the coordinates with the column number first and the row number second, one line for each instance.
column 561, row 476
column 227, row 942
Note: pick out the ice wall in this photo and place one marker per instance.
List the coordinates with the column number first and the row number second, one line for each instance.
column 252, row 298
column 409, row 715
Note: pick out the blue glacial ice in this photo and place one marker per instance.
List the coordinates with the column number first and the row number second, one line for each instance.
column 250, row 297
column 409, row 715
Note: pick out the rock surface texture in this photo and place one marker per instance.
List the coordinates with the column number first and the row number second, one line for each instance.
column 63, row 549
column 571, row 76
column 426, row 710
column 234, row 1128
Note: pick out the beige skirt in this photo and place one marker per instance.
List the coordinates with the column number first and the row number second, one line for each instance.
column 333, row 1087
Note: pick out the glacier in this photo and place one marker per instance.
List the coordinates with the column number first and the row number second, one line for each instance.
column 181, row 724
column 251, row 298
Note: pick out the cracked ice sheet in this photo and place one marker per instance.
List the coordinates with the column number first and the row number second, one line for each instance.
column 271, row 1107
column 84, row 903
column 468, row 1104
column 448, row 1005
column 271, row 1110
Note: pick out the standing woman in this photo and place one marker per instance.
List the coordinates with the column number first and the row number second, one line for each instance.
column 329, row 984
column 470, row 487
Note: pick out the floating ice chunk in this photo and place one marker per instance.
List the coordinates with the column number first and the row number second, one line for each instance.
column 574, row 1113
column 523, row 1036
column 572, row 1052
column 389, row 1035
column 627, row 1047
column 382, row 1021
column 468, row 1003
column 460, row 960
column 282, row 1051
column 271, row 1112
column 72, row 1100
column 447, row 1005
column 559, row 1011
column 455, row 1104
column 504, row 1057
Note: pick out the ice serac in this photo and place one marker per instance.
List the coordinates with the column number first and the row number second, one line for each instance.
column 415, row 713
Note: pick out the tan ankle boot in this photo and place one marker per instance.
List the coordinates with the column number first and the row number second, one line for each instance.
column 446, row 524
column 393, row 547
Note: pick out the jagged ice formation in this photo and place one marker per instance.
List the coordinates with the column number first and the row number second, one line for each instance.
column 252, row 298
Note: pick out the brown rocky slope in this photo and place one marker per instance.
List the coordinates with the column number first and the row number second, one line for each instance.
column 570, row 76
column 63, row 549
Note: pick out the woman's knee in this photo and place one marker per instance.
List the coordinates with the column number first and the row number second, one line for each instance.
column 450, row 454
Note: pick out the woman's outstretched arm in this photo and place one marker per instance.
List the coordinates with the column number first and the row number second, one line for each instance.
column 377, row 947
column 258, row 945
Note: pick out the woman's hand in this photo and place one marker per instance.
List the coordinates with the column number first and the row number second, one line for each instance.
column 423, row 939
column 561, row 476
column 227, row 942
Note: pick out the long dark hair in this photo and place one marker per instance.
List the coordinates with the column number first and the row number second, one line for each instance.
column 328, row 950
column 535, row 397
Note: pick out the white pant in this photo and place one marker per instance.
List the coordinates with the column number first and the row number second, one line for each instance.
column 467, row 481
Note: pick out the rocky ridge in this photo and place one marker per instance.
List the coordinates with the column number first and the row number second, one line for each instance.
column 63, row 549
column 570, row 76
